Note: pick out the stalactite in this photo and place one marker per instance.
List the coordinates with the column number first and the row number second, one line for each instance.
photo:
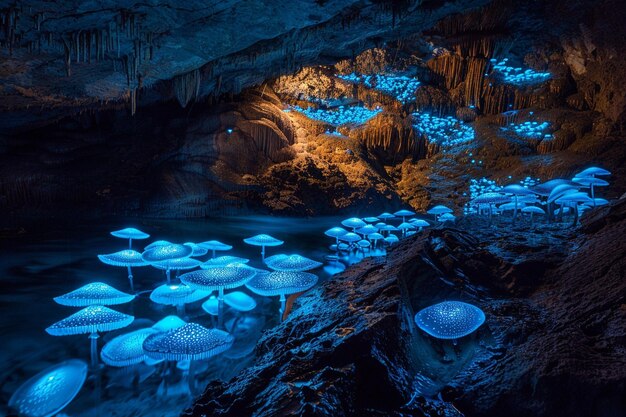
column 187, row 87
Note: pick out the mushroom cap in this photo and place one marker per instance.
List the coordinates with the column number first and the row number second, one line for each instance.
column 561, row 190
column 168, row 323
column 92, row 319
column 419, row 223
column 51, row 390
column 600, row 202
column 533, row 209
column 364, row 243
column 439, row 210
column 392, row 239
column 450, row 319
column 515, row 189
column 292, row 262
column 157, row 243
column 380, row 225
column 94, row 293
column 389, row 228
column 367, row 230
column 404, row 213
column 544, row 189
column 211, row 306
column 191, row 341
column 281, row 283
column 589, row 181
column 263, row 240
column 215, row 245
column 593, row 171
column 126, row 349
column 177, row 294
column 343, row 246
column 130, row 233
column 375, row 236
column 126, row 257
column 491, row 198
column 336, row 232
column 371, row 219
column 405, row 226
column 574, row 198
column 385, row 215
column 447, row 217
column 219, row 277
column 177, row 264
column 508, row 206
column 196, row 250
column 239, row 301
column 350, row 237
column 223, row 261
column 166, row 252
column 353, row 222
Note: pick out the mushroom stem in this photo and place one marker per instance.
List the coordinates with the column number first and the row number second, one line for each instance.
column 130, row 278
column 592, row 196
column 283, row 302
column 130, row 243
column 167, row 275
column 515, row 210
column 93, row 338
column 220, row 308
column 213, row 254
column 191, row 380
column 263, row 253
column 180, row 310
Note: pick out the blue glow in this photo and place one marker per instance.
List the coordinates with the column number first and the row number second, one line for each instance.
column 450, row 319
column 218, row 278
column 126, row 349
column 239, row 301
column 263, row 240
column 517, row 75
column 529, row 130
column 281, row 283
column 445, row 131
column 177, row 294
column 191, row 341
column 92, row 319
column 126, row 258
column 401, row 87
column 197, row 250
column 177, row 264
column 223, row 261
column 352, row 115
column 130, row 233
column 51, row 390
column 165, row 253
column 95, row 293
column 168, row 323
column 291, row 263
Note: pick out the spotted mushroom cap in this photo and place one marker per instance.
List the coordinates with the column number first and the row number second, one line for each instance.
column 450, row 319
column 191, row 342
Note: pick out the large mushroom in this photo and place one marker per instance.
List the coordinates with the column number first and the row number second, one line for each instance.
column 218, row 278
column 91, row 320
column 291, row 263
column 177, row 295
column 94, row 293
column 516, row 191
column 263, row 240
column 165, row 256
column 130, row 233
column 450, row 319
column 281, row 284
column 190, row 342
column 127, row 258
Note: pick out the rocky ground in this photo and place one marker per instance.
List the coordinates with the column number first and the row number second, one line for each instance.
column 553, row 343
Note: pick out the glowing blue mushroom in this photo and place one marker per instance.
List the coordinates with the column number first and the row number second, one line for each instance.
column 281, row 284
column 404, row 214
column 218, row 278
column 215, row 245
column 130, row 233
column 91, row 320
column 239, row 301
column 168, row 323
column 126, row 258
column 263, row 240
column 438, row 211
column 336, row 232
column 178, row 264
column 354, row 223
column 190, row 342
column 385, row 216
column 166, row 255
column 157, row 243
column 293, row 262
column 450, row 319
column 223, row 261
column 95, row 293
column 126, row 349
column 177, row 295
column 196, row 250
column 51, row 390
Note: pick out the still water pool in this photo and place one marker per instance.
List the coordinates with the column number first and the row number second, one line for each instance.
column 38, row 265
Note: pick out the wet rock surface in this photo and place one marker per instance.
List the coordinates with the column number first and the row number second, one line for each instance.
column 552, row 345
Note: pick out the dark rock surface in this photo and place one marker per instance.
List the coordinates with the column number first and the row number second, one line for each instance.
column 553, row 343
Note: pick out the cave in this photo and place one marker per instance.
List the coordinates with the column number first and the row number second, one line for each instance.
column 313, row 208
